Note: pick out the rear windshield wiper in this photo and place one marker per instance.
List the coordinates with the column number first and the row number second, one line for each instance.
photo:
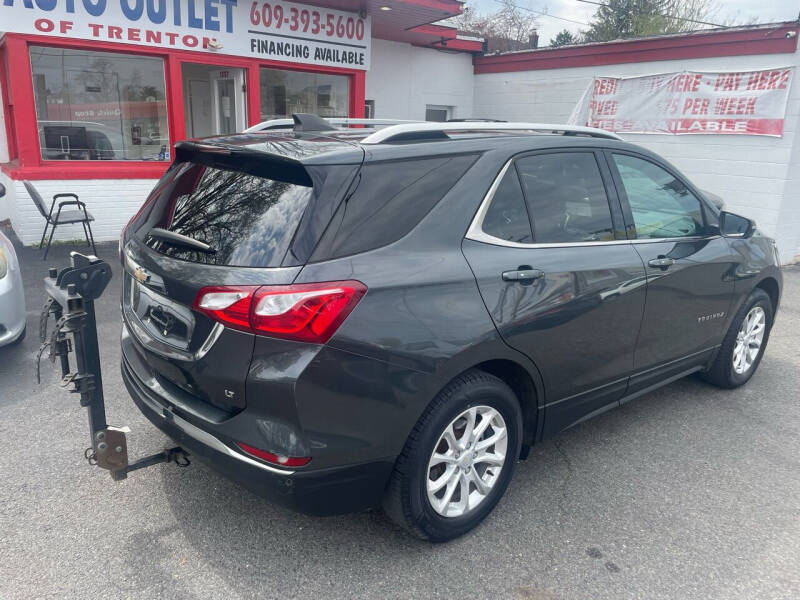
column 178, row 239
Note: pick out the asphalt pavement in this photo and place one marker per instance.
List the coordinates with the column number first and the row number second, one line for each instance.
column 688, row 492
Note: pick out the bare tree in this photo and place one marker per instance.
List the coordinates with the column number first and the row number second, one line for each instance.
column 509, row 28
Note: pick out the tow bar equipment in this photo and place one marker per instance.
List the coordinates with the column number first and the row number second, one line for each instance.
column 70, row 299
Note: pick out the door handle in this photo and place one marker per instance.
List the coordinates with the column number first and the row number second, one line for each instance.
column 662, row 262
column 524, row 274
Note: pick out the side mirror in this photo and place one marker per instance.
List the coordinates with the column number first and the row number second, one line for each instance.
column 2, row 190
column 735, row 226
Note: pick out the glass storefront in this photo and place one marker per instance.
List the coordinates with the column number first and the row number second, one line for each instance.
column 284, row 93
column 99, row 105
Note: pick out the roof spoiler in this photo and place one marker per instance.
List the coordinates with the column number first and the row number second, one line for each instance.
column 240, row 158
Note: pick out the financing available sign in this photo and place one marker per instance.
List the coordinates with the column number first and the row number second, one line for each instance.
column 275, row 30
column 743, row 103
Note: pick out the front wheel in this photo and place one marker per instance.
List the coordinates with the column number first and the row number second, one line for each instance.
column 744, row 344
column 458, row 460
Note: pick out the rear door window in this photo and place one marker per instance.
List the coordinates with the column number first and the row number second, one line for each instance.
column 566, row 197
column 248, row 220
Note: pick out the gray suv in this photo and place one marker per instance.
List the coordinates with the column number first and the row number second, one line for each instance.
column 343, row 319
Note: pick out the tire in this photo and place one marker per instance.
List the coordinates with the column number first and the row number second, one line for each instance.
column 407, row 499
column 724, row 373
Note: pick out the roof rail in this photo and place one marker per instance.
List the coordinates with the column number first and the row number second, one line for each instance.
column 336, row 121
column 433, row 131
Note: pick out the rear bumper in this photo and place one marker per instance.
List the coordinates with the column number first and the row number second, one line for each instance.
column 328, row 491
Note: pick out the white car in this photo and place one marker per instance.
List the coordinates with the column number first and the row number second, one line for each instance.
column 12, row 296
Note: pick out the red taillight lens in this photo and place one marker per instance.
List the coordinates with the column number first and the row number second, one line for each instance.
column 306, row 312
column 275, row 459
column 229, row 305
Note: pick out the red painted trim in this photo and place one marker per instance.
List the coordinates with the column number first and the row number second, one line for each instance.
column 253, row 83
column 85, row 170
column 176, row 110
column 358, row 92
column 678, row 47
column 437, row 30
column 5, row 100
column 451, row 7
column 466, row 45
column 23, row 106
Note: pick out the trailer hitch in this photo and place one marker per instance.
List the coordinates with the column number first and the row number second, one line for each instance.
column 71, row 293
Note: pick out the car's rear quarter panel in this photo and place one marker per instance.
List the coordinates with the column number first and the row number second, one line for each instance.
column 421, row 323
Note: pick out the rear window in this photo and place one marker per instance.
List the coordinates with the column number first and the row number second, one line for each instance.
column 390, row 199
column 248, row 220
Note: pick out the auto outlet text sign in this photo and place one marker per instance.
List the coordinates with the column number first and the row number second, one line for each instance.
column 272, row 30
column 744, row 103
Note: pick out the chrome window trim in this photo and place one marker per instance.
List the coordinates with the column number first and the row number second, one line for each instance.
column 477, row 234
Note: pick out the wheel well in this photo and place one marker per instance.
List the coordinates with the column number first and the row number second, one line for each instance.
column 518, row 379
column 770, row 286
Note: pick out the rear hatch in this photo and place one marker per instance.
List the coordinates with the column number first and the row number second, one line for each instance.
column 222, row 216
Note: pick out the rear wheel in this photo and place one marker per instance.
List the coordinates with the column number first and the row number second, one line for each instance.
column 458, row 460
column 744, row 344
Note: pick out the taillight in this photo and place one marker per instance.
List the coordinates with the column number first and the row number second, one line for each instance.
column 310, row 312
column 275, row 459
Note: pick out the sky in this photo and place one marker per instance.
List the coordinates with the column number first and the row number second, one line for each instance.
column 764, row 11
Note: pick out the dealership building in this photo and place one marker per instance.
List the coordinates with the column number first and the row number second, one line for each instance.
column 95, row 93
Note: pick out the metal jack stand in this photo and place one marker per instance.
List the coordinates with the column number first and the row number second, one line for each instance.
column 71, row 295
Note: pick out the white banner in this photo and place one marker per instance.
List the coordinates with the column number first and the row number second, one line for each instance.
column 274, row 30
column 744, row 103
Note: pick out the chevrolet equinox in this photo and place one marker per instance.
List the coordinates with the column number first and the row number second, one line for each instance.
column 342, row 319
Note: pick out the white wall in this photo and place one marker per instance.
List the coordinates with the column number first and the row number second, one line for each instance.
column 6, row 204
column 403, row 79
column 112, row 202
column 756, row 176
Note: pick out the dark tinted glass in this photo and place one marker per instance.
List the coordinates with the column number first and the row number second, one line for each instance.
column 507, row 217
column 566, row 198
column 248, row 220
column 392, row 197
column 661, row 205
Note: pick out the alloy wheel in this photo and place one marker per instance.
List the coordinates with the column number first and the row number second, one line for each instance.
column 749, row 340
column 467, row 461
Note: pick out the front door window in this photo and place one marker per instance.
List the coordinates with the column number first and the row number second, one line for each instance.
column 661, row 205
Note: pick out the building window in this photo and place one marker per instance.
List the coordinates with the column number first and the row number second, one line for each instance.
column 369, row 109
column 434, row 112
column 284, row 93
column 99, row 105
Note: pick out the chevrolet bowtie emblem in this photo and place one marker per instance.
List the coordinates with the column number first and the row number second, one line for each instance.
column 141, row 275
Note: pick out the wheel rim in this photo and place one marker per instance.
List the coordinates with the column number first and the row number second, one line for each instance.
column 467, row 461
column 749, row 340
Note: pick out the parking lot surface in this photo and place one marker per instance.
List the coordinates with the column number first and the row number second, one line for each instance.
column 688, row 492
